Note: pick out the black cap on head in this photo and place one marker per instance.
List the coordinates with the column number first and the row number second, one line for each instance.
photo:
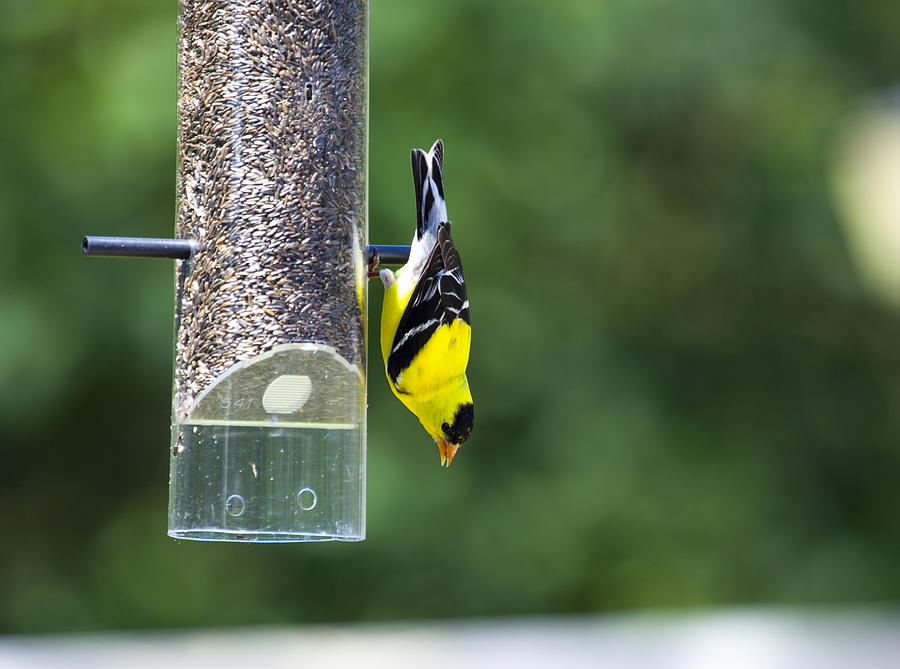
column 461, row 428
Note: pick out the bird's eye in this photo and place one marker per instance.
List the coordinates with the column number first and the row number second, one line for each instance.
column 445, row 427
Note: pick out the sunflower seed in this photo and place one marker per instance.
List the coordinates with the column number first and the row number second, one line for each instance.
column 271, row 182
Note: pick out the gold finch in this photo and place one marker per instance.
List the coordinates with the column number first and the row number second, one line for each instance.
column 425, row 326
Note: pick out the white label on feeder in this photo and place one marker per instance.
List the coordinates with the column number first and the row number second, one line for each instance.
column 287, row 394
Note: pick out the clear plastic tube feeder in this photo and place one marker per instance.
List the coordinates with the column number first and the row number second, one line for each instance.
column 269, row 399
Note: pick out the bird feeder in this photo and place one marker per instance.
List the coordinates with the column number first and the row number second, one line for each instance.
column 269, row 394
column 269, row 399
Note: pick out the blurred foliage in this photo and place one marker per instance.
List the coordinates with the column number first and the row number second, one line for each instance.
column 685, row 395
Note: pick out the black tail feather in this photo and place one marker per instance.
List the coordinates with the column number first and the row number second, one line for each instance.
column 437, row 149
column 420, row 173
column 425, row 195
column 437, row 166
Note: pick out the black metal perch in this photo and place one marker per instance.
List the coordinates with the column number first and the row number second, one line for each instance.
column 183, row 249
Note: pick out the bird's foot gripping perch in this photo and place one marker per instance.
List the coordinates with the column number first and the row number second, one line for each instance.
column 373, row 265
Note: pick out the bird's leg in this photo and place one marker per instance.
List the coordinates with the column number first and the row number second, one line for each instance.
column 373, row 264
column 387, row 278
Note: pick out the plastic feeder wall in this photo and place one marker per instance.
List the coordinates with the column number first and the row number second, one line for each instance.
column 269, row 399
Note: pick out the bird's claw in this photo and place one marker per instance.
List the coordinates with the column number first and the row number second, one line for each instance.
column 374, row 264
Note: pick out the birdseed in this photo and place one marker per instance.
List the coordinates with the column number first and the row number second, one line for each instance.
column 272, row 107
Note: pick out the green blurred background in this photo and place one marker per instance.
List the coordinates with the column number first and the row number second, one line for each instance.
column 687, row 394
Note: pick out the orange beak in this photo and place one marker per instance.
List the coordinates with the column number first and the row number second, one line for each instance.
column 447, row 452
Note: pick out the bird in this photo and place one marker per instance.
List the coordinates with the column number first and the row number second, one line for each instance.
column 425, row 322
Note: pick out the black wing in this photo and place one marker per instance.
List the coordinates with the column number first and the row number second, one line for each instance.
column 438, row 298
column 452, row 282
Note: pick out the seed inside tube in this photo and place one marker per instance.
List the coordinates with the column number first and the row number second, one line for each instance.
column 272, row 140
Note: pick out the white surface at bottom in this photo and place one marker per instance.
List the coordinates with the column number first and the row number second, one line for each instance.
column 736, row 639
